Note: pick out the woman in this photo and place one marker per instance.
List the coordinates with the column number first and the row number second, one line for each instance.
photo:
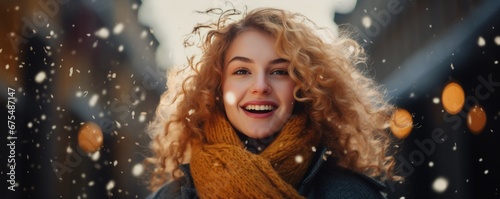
column 273, row 110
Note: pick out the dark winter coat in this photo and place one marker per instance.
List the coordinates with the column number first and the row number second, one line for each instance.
column 320, row 182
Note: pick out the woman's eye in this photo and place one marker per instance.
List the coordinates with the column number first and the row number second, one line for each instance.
column 241, row 72
column 280, row 72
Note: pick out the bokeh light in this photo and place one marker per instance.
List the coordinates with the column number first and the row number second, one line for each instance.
column 476, row 119
column 453, row 98
column 440, row 184
column 401, row 123
column 230, row 98
column 481, row 42
column 90, row 137
column 497, row 40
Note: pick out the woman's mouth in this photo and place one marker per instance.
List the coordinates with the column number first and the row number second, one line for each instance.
column 260, row 109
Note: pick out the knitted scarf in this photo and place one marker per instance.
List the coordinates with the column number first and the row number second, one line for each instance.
column 222, row 168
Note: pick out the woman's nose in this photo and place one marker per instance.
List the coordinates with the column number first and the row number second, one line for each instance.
column 261, row 85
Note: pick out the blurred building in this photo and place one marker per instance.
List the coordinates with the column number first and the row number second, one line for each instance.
column 72, row 62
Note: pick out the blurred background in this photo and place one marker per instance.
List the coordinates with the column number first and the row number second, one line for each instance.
column 71, row 62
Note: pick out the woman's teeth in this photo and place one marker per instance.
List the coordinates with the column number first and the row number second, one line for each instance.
column 265, row 108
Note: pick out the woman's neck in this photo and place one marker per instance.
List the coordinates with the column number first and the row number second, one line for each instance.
column 256, row 145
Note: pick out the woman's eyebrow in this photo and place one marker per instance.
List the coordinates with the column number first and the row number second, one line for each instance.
column 248, row 60
column 278, row 61
column 239, row 58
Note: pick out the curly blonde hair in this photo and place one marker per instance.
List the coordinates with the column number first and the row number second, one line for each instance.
column 346, row 108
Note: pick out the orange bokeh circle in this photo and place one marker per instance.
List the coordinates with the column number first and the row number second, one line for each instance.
column 90, row 137
column 453, row 98
column 476, row 119
column 401, row 123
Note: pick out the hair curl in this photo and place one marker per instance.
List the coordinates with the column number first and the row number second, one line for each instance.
column 346, row 108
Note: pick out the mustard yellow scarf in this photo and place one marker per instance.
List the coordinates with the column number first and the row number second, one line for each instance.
column 222, row 168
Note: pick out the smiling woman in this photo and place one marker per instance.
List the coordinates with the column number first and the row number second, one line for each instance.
column 272, row 110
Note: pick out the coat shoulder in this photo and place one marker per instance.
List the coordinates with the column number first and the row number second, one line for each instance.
column 343, row 183
column 167, row 191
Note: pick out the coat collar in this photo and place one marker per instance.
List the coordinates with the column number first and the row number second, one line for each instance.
column 319, row 160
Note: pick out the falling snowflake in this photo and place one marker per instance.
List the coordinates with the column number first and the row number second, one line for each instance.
column 137, row 170
column 69, row 150
column 435, row 100
column 102, row 33
column 40, row 77
column 110, row 185
column 299, row 159
column 120, row 48
column 497, row 40
column 481, row 42
column 93, row 100
column 142, row 117
column 135, row 6
column 366, row 21
column 440, row 184
column 95, row 156
column 118, row 28
column 144, row 34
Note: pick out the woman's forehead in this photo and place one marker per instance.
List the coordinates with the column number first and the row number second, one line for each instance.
column 251, row 43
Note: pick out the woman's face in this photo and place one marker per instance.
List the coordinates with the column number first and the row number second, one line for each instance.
column 257, row 90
